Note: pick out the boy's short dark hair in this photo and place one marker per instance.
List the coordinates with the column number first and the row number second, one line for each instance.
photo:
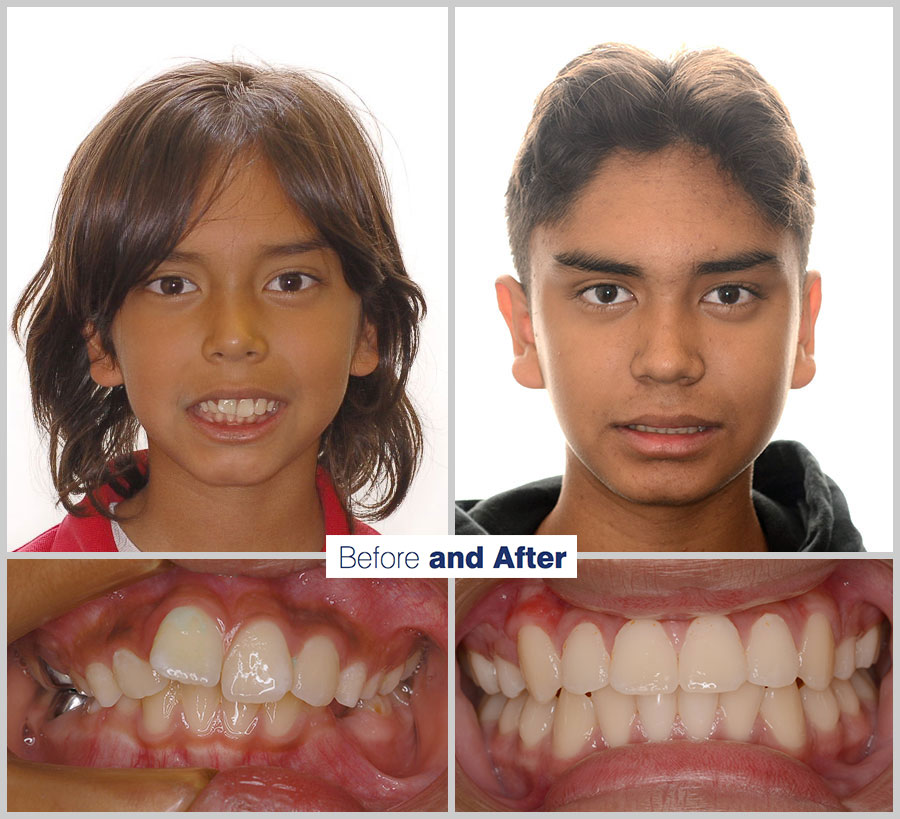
column 617, row 97
column 131, row 192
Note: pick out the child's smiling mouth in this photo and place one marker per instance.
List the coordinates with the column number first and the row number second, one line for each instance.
column 236, row 410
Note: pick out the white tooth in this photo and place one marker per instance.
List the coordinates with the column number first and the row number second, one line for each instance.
column 157, row 712
column 412, row 663
column 509, row 716
column 270, row 406
column 258, row 666
column 585, row 661
column 772, row 658
column 509, row 678
column 259, row 408
column 227, row 406
column 615, row 714
column 867, row 647
column 490, row 707
column 279, row 718
column 316, row 671
column 697, row 710
column 573, row 724
column 864, row 687
column 643, row 660
column 657, row 713
column 535, row 721
column 372, row 685
column 199, row 705
column 81, row 683
column 845, row 659
column 392, row 680
column 484, row 671
column 101, row 680
column 782, row 711
column 350, row 684
column 203, row 406
column 127, row 706
column 846, row 697
column 188, row 647
column 539, row 663
column 817, row 652
column 821, row 708
column 240, row 717
column 712, row 657
column 739, row 710
column 245, row 408
column 135, row 676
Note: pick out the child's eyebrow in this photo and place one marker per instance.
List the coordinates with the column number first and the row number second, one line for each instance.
column 593, row 263
column 266, row 252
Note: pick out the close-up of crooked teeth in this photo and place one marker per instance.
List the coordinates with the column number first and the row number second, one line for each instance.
column 237, row 410
column 667, row 430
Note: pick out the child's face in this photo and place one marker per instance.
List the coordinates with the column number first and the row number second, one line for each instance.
column 250, row 308
column 636, row 333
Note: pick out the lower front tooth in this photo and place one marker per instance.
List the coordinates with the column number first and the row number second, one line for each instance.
column 615, row 715
column 240, row 717
column 573, row 724
column 509, row 716
column 490, row 708
column 101, row 680
column 350, row 684
column 157, row 711
column 697, row 710
column 657, row 713
column 258, row 666
column 864, row 687
column 535, row 721
column 739, row 711
column 316, row 671
column 820, row 707
column 199, row 705
column 782, row 711
column 278, row 718
column 846, row 697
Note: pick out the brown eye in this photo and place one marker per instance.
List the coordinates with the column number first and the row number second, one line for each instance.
column 730, row 295
column 291, row 282
column 171, row 286
column 607, row 294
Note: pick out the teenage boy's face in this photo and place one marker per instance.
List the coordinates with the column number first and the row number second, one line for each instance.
column 667, row 321
column 237, row 352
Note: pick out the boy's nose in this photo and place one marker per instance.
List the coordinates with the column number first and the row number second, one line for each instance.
column 234, row 332
column 668, row 350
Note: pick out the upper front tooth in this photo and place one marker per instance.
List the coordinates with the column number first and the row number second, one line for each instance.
column 258, row 666
column 845, row 658
column 772, row 658
column 539, row 663
column 817, row 652
column 712, row 657
column 350, row 684
column 316, row 671
column 101, row 680
column 866, row 650
column 585, row 661
column 188, row 647
column 392, row 679
column 259, row 406
column 245, row 408
column 135, row 676
column 228, row 406
column 509, row 678
column 643, row 660
column 484, row 671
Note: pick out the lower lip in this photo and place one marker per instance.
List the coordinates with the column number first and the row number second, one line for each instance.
column 236, row 433
column 683, row 775
column 663, row 445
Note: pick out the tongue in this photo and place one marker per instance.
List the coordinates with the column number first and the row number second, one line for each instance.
column 269, row 789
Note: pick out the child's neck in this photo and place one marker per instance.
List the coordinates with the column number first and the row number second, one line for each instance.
column 605, row 522
column 177, row 513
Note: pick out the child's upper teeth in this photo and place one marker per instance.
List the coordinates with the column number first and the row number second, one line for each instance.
column 239, row 407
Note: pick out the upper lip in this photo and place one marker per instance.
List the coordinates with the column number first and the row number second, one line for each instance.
column 669, row 421
column 236, row 391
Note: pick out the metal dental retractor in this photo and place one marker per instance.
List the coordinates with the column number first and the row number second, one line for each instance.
column 67, row 697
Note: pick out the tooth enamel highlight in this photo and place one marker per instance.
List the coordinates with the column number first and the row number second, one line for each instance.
column 866, row 649
column 739, row 710
column 539, row 663
column 657, row 713
column 157, row 710
column 712, row 657
column 509, row 678
column 697, row 710
column 316, row 671
column 101, row 680
column 585, row 662
column 199, row 705
column 845, row 659
column 821, row 708
column 615, row 714
column 258, row 666
column 350, row 684
column 484, row 671
column 782, row 711
column 188, row 647
column 509, row 717
column 817, row 652
column 643, row 660
column 535, row 721
column 278, row 718
column 846, row 697
column 240, row 717
column 772, row 658
column 135, row 676
column 573, row 724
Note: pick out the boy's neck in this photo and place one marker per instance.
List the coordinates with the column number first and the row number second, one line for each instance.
column 605, row 522
column 176, row 513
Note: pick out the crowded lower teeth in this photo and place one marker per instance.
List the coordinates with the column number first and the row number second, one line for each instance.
column 237, row 410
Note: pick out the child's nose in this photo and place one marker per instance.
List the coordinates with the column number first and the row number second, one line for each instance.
column 668, row 349
column 234, row 331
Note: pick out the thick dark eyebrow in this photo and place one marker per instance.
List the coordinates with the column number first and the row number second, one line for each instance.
column 592, row 263
column 267, row 252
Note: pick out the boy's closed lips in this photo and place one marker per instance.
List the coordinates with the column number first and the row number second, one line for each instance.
column 657, row 436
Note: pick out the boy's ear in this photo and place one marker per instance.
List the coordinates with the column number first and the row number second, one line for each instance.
column 365, row 359
column 104, row 369
column 804, row 362
column 513, row 304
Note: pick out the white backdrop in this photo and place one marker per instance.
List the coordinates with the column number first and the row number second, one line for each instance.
column 68, row 66
column 833, row 67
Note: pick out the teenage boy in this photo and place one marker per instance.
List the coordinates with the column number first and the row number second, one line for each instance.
column 659, row 216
